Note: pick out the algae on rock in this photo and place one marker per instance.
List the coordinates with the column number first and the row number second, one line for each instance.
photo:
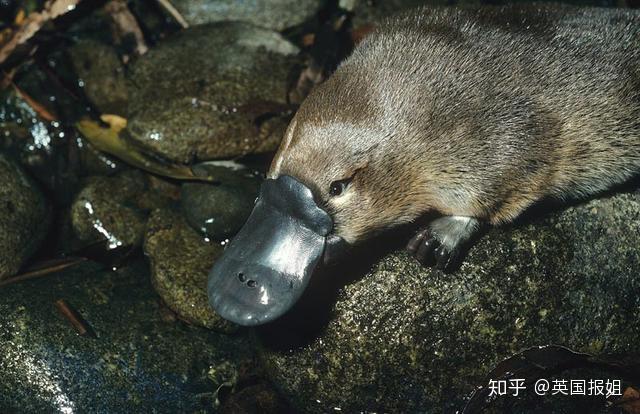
column 409, row 339
column 24, row 217
column 180, row 262
column 212, row 91
column 138, row 362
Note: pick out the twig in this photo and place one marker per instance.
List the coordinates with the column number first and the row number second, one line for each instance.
column 42, row 112
column 125, row 23
column 43, row 271
column 56, row 79
column 32, row 24
column 169, row 8
column 77, row 321
column 7, row 79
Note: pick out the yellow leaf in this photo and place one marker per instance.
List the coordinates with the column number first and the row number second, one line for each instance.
column 112, row 140
column 19, row 17
column 117, row 123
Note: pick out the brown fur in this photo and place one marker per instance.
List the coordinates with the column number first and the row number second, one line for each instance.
column 476, row 113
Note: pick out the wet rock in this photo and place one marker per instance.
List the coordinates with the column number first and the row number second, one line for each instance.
column 31, row 140
column 24, row 217
column 272, row 14
column 212, row 91
column 22, row 130
column 254, row 399
column 114, row 209
column 50, row 84
column 180, row 263
column 219, row 210
column 136, row 363
column 92, row 161
column 408, row 339
column 101, row 74
column 38, row 140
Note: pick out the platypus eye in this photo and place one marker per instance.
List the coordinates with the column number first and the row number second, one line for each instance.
column 337, row 187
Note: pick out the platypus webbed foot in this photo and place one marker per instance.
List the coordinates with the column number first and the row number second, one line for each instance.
column 442, row 241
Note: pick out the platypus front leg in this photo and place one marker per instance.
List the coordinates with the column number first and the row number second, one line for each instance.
column 442, row 241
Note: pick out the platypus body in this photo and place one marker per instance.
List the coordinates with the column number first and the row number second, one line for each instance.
column 472, row 114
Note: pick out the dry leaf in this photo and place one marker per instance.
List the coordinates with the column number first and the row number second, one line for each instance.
column 116, row 122
column 112, row 141
column 32, row 24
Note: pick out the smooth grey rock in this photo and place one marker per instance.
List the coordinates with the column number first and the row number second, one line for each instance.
column 212, row 91
column 403, row 338
column 24, row 217
column 219, row 210
column 272, row 14
column 138, row 361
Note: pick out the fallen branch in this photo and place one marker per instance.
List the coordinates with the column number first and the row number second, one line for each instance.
column 34, row 22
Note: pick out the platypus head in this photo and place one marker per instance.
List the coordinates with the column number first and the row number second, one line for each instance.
column 330, row 185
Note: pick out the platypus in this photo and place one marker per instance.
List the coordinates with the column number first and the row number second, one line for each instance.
column 471, row 114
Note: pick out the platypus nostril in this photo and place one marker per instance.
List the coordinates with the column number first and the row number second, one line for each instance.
column 269, row 262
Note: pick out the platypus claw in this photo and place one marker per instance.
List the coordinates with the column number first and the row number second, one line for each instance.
column 440, row 243
column 447, row 260
column 429, row 251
